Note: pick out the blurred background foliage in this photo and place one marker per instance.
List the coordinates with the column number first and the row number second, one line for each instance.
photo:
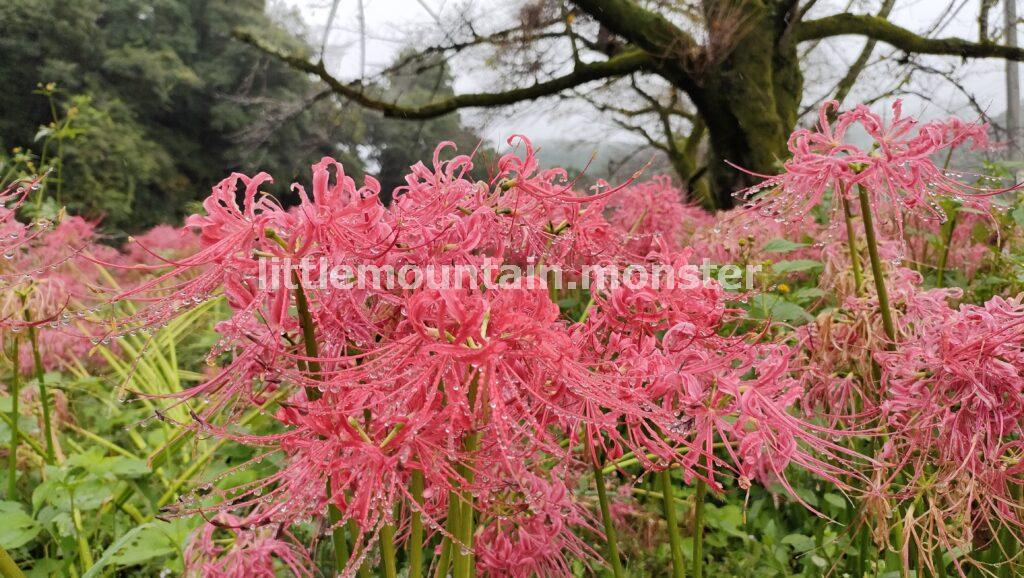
column 148, row 103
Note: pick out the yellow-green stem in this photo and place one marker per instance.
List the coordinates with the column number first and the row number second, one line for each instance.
column 609, row 526
column 674, row 539
column 337, row 537
column 851, row 240
column 12, row 454
column 447, row 546
column 416, row 527
column 312, row 366
column 44, row 393
column 353, row 532
column 947, row 243
column 462, row 557
column 387, row 551
column 877, row 271
column 8, row 569
column 84, row 553
column 308, row 339
column 698, row 528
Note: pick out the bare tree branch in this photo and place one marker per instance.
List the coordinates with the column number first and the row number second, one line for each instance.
column 882, row 30
column 644, row 28
column 848, row 80
column 628, row 61
column 983, row 12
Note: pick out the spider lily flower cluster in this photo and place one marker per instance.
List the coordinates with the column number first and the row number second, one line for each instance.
column 472, row 410
column 468, row 427
column 899, row 174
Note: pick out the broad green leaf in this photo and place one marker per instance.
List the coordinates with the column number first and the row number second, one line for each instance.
column 799, row 542
column 142, row 543
column 124, row 467
column 806, row 294
column 782, row 246
column 18, row 528
column 836, row 500
column 44, row 568
column 1018, row 215
column 776, row 308
column 796, row 266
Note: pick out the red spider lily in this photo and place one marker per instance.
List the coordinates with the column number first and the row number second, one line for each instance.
column 955, row 406
column 898, row 172
column 485, row 389
column 255, row 553
column 655, row 209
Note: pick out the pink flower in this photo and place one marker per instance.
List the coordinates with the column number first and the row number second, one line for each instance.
column 253, row 553
column 898, row 172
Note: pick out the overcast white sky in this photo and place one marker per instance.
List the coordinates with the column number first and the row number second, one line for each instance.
column 393, row 23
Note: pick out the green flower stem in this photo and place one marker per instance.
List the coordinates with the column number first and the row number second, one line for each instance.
column 947, row 242
column 341, row 552
column 44, row 392
column 8, row 569
column 446, row 547
column 674, row 539
column 416, row 527
column 387, row 552
column 851, row 240
column 698, row 529
column 353, row 534
column 876, row 266
column 462, row 557
column 12, row 454
column 609, row 526
column 84, row 553
column 337, row 538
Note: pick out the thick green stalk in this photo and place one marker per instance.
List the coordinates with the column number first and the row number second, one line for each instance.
column 863, row 537
column 312, row 366
column 353, row 533
column 84, row 553
column 877, row 270
column 387, row 552
column 851, row 240
column 337, row 538
column 416, row 527
column 674, row 539
column 946, row 244
column 308, row 338
column 44, row 393
column 940, row 565
column 462, row 558
column 698, row 528
column 8, row 569
column 447, row 546
column 12, row 453
column 609, row 525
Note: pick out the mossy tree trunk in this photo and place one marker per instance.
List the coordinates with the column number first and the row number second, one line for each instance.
column 750, row 100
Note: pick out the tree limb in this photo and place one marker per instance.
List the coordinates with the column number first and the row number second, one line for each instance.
column 884, row 31
column 847, row 82
column 626, row 62
column 644, row 28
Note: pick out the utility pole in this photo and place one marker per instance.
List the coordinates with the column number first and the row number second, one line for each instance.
column 1012, row 83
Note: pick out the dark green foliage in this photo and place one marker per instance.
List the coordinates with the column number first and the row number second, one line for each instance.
column 166, row 102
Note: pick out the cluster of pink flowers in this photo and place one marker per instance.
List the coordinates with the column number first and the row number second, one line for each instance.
column 252, row 554
column 655, row 209
column 479, row 407
column 954, row 401
column 488, row 391
column 898, row 173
